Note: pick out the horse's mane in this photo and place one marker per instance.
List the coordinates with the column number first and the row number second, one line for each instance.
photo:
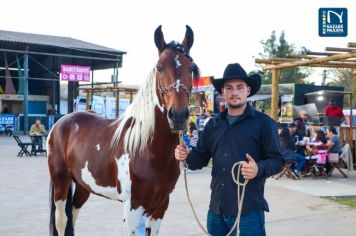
column 141, row 117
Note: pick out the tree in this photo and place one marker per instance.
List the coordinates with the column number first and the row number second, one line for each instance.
column 344, row 78
column 280, row 49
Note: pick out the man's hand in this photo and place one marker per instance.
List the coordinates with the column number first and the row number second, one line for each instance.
column 249, row 169
column 181, row 152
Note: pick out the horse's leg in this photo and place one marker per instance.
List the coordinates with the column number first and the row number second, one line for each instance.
column 153, row 223
column 62, row 196
column 63, row 202
column 81, row 195
column 152, row 226
column 132, row 219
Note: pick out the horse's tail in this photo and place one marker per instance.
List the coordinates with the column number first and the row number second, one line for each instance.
column 69, row 205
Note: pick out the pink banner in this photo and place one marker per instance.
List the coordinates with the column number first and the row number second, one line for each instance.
column 75, row 73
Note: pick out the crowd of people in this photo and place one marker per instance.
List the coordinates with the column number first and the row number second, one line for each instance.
column 302, row 146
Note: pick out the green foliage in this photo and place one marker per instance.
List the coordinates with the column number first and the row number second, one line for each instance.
column 273, row 48
column 348, row 201
column 344, row 78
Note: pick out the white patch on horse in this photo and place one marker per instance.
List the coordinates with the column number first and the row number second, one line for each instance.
column 75, row 213
column 176, row 59
column 76, row 127
column 97, row 147
column 124, row 177
column 109, row 191
column 60, row 216
column 132, row 218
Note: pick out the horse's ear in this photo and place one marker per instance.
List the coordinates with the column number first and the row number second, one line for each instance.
column 189, row 38
column 159, row 39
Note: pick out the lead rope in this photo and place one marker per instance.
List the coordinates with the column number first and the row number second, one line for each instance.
column 240, row 196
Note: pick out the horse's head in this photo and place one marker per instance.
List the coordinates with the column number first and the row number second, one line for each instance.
column 175, row 71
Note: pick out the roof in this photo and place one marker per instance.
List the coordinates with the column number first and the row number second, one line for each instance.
column 259, row 97
column 55, row 41
column 328, row 93
column 56, row 50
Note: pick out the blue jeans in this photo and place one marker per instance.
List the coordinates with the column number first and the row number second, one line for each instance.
column 300, row 161
column 251, row 224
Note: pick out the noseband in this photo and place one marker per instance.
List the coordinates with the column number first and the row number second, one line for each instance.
column 177, row 85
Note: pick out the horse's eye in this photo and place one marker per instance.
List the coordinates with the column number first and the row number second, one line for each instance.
column 159, row 68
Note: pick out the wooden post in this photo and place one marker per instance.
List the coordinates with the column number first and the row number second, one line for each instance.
column 87, row 100
column 117, row 97
column 275, row 94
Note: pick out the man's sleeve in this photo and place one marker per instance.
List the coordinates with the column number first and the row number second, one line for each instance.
column 273, row 161
column 200, row 155
column 31, row 130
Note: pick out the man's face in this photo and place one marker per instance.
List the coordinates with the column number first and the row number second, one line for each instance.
column 38, row 122
column 235, row 92
column 292, row 129
column 332, row 103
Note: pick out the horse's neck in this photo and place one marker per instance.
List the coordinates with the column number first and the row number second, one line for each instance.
column 162, row 126
column 163, row 138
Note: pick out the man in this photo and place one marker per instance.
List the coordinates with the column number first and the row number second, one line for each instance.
column 334, row 111
column 239, row 133
column 208, row 114
column 303, row 115
column 36, row 132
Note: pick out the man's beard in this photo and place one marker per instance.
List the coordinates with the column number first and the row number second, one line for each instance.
column 233, row 106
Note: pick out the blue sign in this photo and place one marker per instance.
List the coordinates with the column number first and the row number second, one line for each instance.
column 7, row 120
column 332, row 22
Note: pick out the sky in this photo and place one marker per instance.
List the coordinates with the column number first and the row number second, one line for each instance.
column 225, row 31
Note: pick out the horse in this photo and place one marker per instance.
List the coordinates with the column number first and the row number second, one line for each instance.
column 129, row 159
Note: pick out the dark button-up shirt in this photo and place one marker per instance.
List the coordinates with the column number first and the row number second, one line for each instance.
column 253, row 133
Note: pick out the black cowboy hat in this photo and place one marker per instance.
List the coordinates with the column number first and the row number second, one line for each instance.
column 235, row 71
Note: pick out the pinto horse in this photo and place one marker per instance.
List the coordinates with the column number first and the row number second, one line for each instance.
column 130, row 159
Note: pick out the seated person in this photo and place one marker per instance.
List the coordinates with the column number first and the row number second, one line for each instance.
column 298, row 132
column 36, row 132
column 317, row 146
column 333, row 145
column 288, row 148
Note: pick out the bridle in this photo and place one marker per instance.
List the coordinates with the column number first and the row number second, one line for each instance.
column 177, row 85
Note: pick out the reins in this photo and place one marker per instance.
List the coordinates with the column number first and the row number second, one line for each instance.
column 240, row 195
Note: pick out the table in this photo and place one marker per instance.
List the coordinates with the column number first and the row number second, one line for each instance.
column 37, row 144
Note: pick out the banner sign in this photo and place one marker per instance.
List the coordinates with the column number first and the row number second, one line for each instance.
column 7, row 120
column 75, row 73
column 287, row 108
column 202, row 84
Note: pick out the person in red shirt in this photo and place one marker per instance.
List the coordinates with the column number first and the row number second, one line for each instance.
column 334, row 110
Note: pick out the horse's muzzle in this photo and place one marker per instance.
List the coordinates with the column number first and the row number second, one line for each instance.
column 178, row 119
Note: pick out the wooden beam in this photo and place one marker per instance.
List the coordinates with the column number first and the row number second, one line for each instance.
column 275, row 94
column 333, row 64
column 301, row 56
column 337, row 57
column 312, row 57
column 351, row 45
column 339, row 49
column 321, row 53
